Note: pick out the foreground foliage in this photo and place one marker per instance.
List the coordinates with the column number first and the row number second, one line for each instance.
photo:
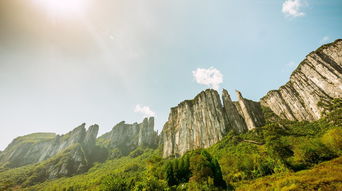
column 325, row 176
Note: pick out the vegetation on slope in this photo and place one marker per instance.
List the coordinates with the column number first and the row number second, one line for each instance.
column 35, row 137
column 119, row 174
column 280, row 147
column 23, row 142
column 282, row 154
column 55, row 167
column 325, row 176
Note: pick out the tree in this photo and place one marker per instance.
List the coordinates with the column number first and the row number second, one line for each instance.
column 169, row 174
column 206, row 170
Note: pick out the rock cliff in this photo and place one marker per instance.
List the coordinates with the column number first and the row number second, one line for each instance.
column 37, row 147
column 318, row 78
column 127, row 137
column 234, row 117
column 203, row 121
column 71, row 161
column 193, row 124
column 251, row 112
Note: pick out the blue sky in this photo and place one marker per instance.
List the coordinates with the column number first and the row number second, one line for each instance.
column 95, row 63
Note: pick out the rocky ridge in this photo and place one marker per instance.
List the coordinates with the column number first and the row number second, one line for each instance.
column 317, row 79
column 127, row 137
column 38, row 147
column 203, row 121
column 53, row 156
column 197, row 123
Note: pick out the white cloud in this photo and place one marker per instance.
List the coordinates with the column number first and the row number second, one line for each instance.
column 292, row 8
column 325, row 39
column 145, row 110
column 210, row 77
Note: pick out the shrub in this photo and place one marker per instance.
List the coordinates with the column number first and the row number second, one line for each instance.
column 116, row 182
column 151, row 184
column 311, row 152
column 333, row 140
column 137, row 152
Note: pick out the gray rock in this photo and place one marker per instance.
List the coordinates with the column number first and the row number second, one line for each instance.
column 89, row 142
column 193, row 124
column 318, row 78
column 250, row 111
column 127, row 137
column 74, row 162
column 234, row 118
column 38, row 147
column 203, row 121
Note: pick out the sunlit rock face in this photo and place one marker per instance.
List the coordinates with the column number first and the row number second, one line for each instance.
column 127, row 137
column 193, row 124
column 250, row 111
column 71, row 161
column 234, row 119
column 318, row 78
column 203, row 121
column 37, row 147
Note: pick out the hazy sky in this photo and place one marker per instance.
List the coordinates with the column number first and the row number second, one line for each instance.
column 66, row 62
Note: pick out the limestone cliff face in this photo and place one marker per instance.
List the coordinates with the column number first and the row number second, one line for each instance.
column 251, row 112
column 71, row 161
column 193, row 124
column 235, row 118
column 203, row 121
column 318, row 78
column 127, row 137
column 37, row 147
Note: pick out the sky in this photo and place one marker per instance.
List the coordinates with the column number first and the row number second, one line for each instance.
column 66, row 62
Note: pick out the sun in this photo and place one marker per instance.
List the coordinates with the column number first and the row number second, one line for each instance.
column 63, row 8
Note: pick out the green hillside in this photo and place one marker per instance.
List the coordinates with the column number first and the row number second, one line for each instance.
column 325, row 176
column 281, row 155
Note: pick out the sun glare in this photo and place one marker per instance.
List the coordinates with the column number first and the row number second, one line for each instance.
column 63, row 8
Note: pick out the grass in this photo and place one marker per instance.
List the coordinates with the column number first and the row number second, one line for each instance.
column 325, row 176
column 35, row 138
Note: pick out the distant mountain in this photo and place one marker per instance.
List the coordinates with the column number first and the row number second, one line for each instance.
column 37, row 147
column 125, row 138
column 67, row 154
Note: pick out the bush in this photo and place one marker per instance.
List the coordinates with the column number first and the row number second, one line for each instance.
column 333, row 140
column 311, row 152
column 137, row 152
column 151, row 184
column 116, row 182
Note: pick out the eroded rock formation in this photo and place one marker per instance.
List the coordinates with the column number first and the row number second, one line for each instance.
column 203, row 121
column 234, row 119
column 127, row 137
column 37, row 147
column 251, row 112
column 196, row 123
column 318, row 78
